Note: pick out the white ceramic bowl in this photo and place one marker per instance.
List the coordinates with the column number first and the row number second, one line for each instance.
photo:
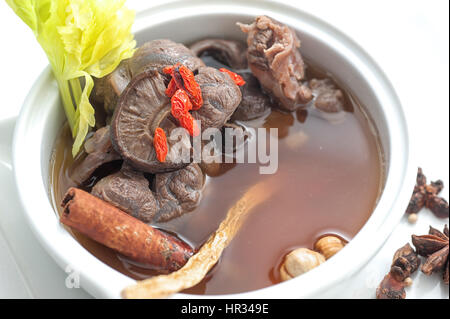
column 185, row 21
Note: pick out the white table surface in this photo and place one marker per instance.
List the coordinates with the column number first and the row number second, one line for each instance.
column 409, row 39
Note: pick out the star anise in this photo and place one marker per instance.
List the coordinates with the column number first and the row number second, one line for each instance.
column 426, row 195
column 434, row 247
column 404, row 264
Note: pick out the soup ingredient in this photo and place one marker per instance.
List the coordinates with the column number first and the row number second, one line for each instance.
column 184, row 79
column 390, row 288
column 412, row 218
column 275, row 60
column 408, row 282
column 99, row 151
column 181, row 104
column 116, row 229
column 156, row 54
column 404, row 264
column 143, row 107
column 82, row 39
column 228, row 52
column 201, row 263
column 160, row 144
column 328, row 246
column 234, row 76
column 426, row 195
column 254, row 102
column 221, row 97
column 178, row 192
column 187, row 121
column 300, row 261
column 129, row 191
column 328, row 98
column 434, row 247
column 173, row 195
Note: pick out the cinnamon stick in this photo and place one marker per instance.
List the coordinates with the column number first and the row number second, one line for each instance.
column 116, row 229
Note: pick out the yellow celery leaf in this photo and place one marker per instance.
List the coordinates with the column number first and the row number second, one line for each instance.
column 26, row 10
column 82, row 38
column 85, row 115
column 110, row 61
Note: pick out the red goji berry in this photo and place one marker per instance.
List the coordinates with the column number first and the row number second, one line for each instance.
column 171, row 88
column 160, row 144
column 169, row 69
column 184, row 79
column 234, row 76
column 188, row 122
column 191, row 86
column 181, row 104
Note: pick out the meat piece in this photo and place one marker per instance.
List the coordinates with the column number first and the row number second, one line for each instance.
column 229, row 52
column 275, row 60
column 174, row 194
column 99, row 151
column 156, row 54
column 328, row 98
column 254, row 102
column 221, row 97
column 142, row 108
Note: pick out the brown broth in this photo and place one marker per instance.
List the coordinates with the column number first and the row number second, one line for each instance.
column 329, row 183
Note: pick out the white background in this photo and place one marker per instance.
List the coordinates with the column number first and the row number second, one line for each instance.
column 409, row 39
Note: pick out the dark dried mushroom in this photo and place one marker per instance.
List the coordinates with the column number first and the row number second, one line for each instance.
column 99, row 151
column 254, row 102
column 174, row 194
column 275, row 60
column 155, row 54
column 142, row 108
column 129, row 191
column 229, row 52
column 178, row 192
column 221, row 97
column 327, row 97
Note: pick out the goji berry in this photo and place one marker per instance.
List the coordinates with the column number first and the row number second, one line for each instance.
column 188, row 122
column 171, row 88
column 160, row 144
column 181, row 104
column 191, row 86
column 234, row 76
column 184, row 79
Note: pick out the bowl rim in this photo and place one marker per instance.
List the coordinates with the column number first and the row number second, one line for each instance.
column 102, row 281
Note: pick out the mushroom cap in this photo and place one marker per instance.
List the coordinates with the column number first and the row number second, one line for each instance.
column 230, row 52
column 221, row 97
column 143, row 107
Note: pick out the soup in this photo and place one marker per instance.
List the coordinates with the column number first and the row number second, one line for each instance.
column 331, row 180
column 330, row 170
